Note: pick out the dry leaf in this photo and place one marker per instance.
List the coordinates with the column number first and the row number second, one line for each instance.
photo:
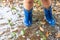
column 41, row 29
column 15, row 30
column 43, row 23
column 57, row 35
column 1, row 33
column 47, row 34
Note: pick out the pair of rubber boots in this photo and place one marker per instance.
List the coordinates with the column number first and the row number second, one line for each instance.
column 48, row 15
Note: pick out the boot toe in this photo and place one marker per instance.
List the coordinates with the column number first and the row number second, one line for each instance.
column 26, row 23
column 52, row 22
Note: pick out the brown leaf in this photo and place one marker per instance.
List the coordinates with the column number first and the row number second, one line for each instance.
column 57, row 35
column 47, row 34
column 43, row 22
column 41, row 29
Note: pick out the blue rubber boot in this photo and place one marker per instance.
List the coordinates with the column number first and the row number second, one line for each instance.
column 30, row 16
column 49, row 17
column 27, row 17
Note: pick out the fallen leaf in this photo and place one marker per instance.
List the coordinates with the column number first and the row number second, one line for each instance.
column 1, row 33
column 22, row 32
column 44, row 38
column 47, row 34
column 13, row 8
column 41, row 29
column 43, row 22
column 13, row 34
column 57, row 35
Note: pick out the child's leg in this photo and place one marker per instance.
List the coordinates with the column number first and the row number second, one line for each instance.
column 46, row 3
column 48, row 12
column 28, row 6
column 10, row 3
column 4, row 2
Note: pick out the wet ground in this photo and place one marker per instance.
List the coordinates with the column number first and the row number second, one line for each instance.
column 12, row 27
